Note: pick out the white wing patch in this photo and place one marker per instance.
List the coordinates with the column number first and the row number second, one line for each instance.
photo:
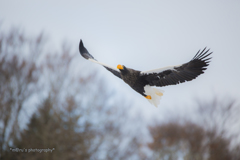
column 160, row 69
column 92, row 60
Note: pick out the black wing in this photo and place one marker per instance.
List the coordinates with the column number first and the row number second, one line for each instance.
column 178, row 74
column 84, row 52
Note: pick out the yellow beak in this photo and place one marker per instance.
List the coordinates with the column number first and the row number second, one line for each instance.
column 119, row 66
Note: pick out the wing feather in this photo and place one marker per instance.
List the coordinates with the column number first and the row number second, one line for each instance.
column 178, row 74
column 84, row 52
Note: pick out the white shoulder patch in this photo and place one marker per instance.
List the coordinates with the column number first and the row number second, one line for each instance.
column 159, row 69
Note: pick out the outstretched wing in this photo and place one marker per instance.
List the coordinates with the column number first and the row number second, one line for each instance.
column 84, row 52
column 178, row 74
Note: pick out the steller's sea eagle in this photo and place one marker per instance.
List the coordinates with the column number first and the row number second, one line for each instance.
column 142, row 81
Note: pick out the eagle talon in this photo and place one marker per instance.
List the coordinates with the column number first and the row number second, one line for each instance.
column 148, row 97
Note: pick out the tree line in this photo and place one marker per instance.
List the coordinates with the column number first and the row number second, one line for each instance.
column 53, row 107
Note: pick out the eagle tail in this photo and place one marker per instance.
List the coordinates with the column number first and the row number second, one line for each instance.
column 155, row 94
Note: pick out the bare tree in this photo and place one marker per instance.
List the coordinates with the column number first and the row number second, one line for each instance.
column 76, row 116
column 220, row 116
column 57, row 130
column 209, row 140
column 18, row 77
column 173, row 139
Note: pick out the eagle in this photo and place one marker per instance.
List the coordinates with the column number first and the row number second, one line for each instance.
column 143, row 82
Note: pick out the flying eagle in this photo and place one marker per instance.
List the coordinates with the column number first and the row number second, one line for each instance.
column 143, row 81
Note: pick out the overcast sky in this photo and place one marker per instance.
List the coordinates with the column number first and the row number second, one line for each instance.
column 143, row 35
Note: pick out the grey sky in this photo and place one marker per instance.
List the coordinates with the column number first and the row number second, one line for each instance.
column 144, row 35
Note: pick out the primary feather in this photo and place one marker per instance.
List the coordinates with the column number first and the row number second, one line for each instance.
column 178, row 74
column 84, row 52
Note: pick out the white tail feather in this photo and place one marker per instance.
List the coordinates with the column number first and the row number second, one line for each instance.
column 155, row 94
